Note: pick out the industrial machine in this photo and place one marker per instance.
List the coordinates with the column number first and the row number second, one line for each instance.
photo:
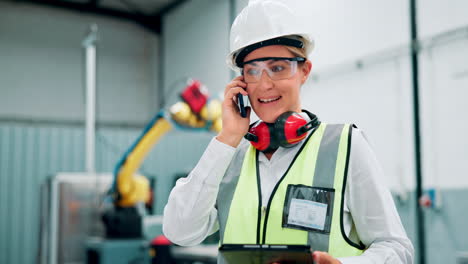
column 130, row 191
column 123, row 217
column 71, row 230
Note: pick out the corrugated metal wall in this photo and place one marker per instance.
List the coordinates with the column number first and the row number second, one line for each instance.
column 30, row 153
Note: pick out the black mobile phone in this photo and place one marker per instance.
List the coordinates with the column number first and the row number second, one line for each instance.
column 241, row 105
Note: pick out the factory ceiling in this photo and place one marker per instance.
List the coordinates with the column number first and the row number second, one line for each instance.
column 147, row 13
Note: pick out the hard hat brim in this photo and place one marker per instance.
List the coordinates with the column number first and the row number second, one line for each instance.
column 270, row 42
column 235, row 58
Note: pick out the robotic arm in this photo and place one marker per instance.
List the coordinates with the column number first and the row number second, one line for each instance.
column 132, row 188
column 195, row 112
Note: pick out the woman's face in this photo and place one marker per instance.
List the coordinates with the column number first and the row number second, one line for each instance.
column 270, row 98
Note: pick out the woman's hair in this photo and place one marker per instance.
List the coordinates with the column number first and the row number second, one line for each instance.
column 300, row 52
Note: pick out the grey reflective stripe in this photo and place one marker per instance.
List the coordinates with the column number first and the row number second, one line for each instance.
column 324, row 176
column 326, row 160
column 228, row 187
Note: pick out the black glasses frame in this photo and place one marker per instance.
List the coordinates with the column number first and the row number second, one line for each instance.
column 298, row 59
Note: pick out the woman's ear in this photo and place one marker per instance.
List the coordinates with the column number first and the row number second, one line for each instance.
column 306, row 69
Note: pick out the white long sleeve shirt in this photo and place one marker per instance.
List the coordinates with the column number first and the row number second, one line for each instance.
column 369, row 211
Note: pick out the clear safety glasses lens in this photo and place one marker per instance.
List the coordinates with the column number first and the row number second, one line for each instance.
column 276, row 68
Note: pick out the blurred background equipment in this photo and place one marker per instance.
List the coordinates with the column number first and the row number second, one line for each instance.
column 128, row 229
column 76, row 200
column 131, row 191
column 124, row 217
column 70, row 214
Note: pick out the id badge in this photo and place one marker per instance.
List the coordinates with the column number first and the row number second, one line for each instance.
column 308, row 208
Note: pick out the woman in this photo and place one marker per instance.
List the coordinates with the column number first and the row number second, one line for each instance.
column 311, row 187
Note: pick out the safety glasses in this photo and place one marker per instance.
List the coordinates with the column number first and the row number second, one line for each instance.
column 278, row 68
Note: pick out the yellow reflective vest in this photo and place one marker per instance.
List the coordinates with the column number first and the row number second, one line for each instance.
column 321, row 162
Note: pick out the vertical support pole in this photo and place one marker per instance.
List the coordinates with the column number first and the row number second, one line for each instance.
column 421, row 248
column 162, row 66
column 232, row 16
column 89, row 44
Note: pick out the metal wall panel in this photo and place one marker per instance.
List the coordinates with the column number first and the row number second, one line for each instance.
column 31, row 153
column 446, row 234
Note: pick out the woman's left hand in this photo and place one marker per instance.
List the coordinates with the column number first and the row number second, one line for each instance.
column 324, row 258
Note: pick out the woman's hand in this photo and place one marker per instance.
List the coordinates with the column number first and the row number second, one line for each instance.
column 234, row 126
column 324, row 258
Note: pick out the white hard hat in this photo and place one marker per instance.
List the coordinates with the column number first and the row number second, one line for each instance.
column 263, row 23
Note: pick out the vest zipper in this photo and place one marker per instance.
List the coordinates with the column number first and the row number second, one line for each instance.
column 260, row 211
column 263, row 211
column 262, row 220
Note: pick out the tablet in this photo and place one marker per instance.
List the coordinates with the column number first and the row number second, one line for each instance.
column 266, row 254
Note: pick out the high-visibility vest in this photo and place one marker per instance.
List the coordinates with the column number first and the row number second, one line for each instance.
column 322, row 161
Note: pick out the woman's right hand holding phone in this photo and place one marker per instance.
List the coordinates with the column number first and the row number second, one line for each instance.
column 234, row 125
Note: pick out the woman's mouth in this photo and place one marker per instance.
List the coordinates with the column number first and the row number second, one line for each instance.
column 268, row 100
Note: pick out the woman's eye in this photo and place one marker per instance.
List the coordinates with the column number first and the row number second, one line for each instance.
column 277, row 68
column 252, row 71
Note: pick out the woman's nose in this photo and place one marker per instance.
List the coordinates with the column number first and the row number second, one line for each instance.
column 265, row 81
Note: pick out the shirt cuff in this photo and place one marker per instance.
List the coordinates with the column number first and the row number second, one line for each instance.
column 215, row 161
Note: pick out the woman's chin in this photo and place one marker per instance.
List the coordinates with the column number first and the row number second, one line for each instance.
column 269, row 118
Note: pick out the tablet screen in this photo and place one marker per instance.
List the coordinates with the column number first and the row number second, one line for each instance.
column 266, row 254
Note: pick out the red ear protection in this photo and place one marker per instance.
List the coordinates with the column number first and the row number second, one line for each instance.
column 288, row 130
column 262, row 136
